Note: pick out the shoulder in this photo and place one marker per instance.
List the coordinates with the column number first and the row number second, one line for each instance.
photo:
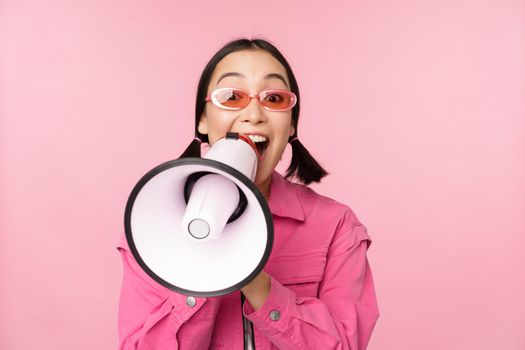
column 325, row 214
column 315, row 204
column 312, row 212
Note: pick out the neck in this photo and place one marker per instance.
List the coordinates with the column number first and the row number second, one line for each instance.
column 264, row 187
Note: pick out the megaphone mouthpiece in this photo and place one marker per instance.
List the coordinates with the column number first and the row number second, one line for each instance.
column 237, row 151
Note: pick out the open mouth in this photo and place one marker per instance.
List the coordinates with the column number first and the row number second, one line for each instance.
column 262, row 146
column 260, row 142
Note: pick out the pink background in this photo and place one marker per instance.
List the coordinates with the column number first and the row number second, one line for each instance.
column 425, row 141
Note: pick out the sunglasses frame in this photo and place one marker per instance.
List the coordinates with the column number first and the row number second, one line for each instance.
column 213, row 98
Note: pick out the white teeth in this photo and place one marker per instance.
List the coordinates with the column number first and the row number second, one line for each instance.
column 257, row 138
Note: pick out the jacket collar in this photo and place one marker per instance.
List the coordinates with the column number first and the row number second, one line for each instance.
column 283, row 198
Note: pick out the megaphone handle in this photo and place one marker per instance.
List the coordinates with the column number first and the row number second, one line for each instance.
column 247, row 327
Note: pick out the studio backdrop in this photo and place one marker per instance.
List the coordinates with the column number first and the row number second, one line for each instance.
column 416, row 109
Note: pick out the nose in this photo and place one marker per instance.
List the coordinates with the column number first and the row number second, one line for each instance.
column 253, row 112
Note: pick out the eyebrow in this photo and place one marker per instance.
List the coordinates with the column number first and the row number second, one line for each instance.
column 266, row 77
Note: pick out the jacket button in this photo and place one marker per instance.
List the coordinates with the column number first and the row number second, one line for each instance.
column 275, row 315
column 190, row 301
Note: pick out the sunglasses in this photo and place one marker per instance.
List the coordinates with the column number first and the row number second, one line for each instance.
column 234, row 99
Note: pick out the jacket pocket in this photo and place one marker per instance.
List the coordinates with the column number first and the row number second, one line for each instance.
column 301, row 273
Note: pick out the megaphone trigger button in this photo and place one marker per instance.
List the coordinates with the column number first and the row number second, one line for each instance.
column 190, row 301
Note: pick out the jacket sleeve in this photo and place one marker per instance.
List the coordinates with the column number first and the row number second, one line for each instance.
column 153, row 317
column 344, row 314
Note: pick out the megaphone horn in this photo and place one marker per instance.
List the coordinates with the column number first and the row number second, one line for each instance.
column 200, row 226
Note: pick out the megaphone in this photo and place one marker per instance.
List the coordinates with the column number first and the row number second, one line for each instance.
column 200, row 226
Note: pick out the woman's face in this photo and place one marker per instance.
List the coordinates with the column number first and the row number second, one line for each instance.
column 255, row 71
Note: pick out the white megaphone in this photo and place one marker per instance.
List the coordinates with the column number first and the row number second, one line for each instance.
column 200, row 226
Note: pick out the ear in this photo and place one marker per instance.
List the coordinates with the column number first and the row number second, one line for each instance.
column 203, row 124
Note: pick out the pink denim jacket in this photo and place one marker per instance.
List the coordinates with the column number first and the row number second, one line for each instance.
column 322, row 291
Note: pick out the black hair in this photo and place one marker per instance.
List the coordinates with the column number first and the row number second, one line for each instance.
column 302, row 166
